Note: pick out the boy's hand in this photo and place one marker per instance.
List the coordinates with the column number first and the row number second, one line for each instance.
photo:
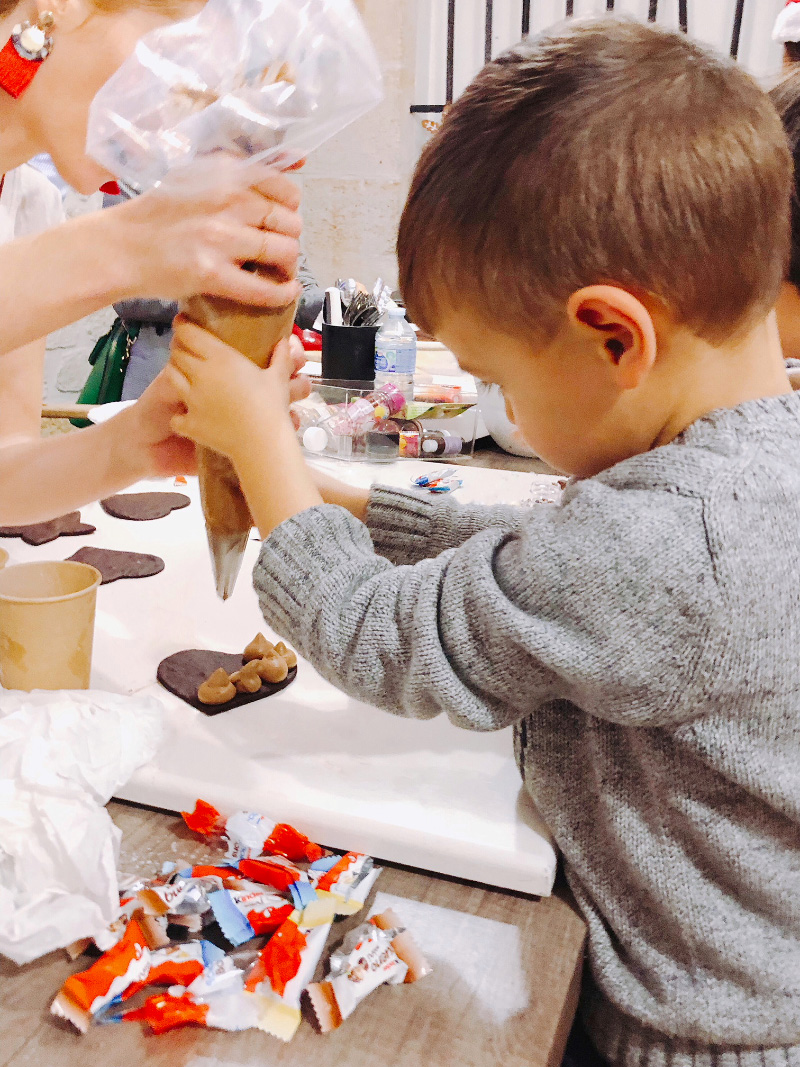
column 228, row 400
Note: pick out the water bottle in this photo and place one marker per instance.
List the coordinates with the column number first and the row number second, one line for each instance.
column 396, row 353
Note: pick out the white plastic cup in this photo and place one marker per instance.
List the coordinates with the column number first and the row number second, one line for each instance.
column 47, row 625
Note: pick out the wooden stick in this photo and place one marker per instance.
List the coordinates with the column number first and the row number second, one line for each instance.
column 67, row 411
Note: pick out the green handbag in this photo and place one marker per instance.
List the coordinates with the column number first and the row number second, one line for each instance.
column 109, row 361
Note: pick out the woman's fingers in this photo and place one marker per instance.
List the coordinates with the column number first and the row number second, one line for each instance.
column 272, row 250
column 275, row 185
column 267, row 214
column 175, row 374
column 256, row 290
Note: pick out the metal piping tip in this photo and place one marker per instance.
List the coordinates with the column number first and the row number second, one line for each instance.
column 227, row 553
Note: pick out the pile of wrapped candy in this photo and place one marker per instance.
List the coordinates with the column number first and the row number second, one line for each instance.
column 237, row 943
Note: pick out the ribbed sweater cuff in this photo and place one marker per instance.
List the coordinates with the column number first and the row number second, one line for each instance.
column 297, row 557
column 406, row 527
column 624, row 1043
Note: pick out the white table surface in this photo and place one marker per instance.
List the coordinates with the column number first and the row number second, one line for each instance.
column 425, row 794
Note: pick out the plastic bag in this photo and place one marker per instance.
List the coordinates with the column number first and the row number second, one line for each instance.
column 261, row 79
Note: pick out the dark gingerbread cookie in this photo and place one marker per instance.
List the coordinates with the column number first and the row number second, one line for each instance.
column 140, row 507
column 184, row 673
column 114, row 565
column 40, row 533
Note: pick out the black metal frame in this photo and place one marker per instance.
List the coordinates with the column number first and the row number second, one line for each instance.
column 652, row 15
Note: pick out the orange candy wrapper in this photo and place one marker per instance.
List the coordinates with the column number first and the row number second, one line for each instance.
column 84, row 995
column 176, row 965
column 280, row 959
column 286, row 841
column 165, row 1012
column 266, row 872
column 244, row 830
column 204, row 820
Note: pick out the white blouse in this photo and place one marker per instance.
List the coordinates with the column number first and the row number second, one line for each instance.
column 29, row 204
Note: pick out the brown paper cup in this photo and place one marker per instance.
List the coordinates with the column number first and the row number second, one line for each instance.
column 47, row 625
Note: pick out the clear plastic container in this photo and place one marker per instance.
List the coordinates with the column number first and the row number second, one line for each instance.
column 340, row 422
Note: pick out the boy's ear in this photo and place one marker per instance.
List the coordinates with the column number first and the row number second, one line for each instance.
column 622, row 328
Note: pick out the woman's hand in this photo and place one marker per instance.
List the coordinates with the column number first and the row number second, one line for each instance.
column 228, row 400
column 194, row 232
column 144, row 432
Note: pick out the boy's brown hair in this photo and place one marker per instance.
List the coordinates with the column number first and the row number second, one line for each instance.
column 608, row 151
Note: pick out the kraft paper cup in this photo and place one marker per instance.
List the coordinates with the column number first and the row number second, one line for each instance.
column 47, row 625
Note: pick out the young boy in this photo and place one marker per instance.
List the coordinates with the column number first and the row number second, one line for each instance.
column 600, row 227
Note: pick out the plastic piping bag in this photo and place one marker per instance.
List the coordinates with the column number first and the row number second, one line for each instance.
column 257, row 79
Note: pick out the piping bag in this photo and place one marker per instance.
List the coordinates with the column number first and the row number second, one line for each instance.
column 261, row 80
column 254, row 333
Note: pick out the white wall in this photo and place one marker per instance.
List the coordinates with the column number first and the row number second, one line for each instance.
column 355, row 186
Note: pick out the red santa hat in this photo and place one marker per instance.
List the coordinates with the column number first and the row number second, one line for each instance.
column 787, row 24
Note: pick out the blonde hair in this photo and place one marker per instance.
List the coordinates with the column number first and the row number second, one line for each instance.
column 174, row 8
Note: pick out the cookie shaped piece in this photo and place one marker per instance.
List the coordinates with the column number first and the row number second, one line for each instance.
column 41, row 533
column 142, row 507
column 184, row 672
column 114, row 565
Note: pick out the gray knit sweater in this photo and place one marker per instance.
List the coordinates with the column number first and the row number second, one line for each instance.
column 643, row 638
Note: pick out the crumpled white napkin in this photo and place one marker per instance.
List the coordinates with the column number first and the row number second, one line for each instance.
column 62, row 756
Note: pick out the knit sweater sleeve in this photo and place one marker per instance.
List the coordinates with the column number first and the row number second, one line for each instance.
column 606, row 601
column 407, row 527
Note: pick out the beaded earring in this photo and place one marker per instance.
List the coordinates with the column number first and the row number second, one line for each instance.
column 28, row 46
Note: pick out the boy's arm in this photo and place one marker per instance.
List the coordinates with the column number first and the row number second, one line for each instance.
column 407, row 527
column 576, row 605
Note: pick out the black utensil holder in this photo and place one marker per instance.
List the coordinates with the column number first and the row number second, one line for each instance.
column 348, row 352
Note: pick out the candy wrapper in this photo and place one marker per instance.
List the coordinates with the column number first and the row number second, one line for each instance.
column 88, row 993
column 179, row 965
column 374, row 954
column 250, row 834
column 230, row 1009
column 275, row 914
column 281, row 973
column 62, row 755
column 346, row 879
column 250, row 912
column 258, row 79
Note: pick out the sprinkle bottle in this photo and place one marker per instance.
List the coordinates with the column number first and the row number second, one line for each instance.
column 437, row 443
